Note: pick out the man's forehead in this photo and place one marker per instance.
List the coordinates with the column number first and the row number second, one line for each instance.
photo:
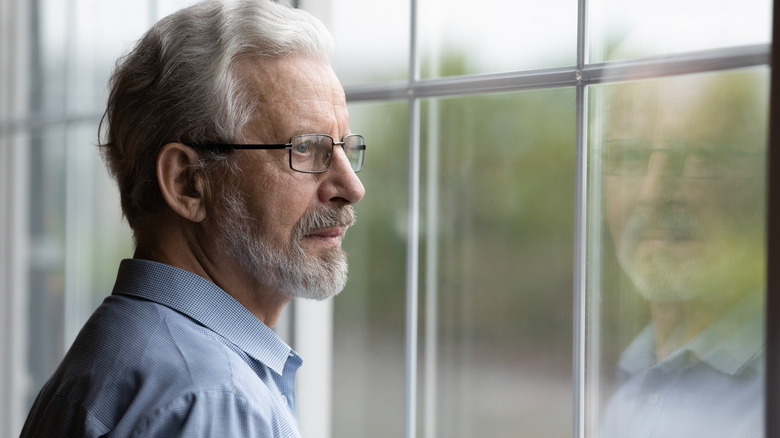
column 294, row 95
column 298, row 76
column 683, row 107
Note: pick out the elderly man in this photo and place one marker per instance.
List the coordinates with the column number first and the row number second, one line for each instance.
column 228, row 135
column 684, row 196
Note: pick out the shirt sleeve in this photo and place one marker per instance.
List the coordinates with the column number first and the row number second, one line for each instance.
column 210, row 414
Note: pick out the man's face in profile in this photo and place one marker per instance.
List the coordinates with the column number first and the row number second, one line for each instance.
column 285, row 227
column 683, row 162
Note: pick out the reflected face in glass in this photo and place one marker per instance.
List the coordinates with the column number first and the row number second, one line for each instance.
column 683, row 163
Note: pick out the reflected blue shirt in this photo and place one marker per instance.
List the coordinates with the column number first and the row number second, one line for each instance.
column 170, row 354
column 711, row 387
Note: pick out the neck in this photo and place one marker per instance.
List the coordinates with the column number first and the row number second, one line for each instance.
column 183, row 246
column 675, row 324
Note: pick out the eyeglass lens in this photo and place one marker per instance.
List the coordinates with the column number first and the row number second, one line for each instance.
column 631, row 158
column 355, row 148
column 314, row 152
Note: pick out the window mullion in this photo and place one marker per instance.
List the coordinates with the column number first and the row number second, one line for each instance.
column 413, row 230
column 580, row 211
column 567, row 76
column 773, row 246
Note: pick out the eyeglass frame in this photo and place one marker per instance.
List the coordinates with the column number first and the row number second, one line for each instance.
column 288, row 146
column 683, row 152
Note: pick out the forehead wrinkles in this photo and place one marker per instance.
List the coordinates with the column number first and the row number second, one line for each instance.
column 293, row 93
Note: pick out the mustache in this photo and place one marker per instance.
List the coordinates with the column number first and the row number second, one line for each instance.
column 670, row 220
column 325, row 217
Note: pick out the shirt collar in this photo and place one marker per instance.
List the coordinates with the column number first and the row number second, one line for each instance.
column 731, row 342
column 207, row 304
column 729, row 345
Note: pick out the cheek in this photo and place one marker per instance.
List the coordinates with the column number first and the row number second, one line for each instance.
column 728, row 204
column 288, row 203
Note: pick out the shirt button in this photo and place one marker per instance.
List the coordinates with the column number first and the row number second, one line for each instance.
column 287, row 402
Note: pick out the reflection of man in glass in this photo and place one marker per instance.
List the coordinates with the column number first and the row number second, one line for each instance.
column 683, row 164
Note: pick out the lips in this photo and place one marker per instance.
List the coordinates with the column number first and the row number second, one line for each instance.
column 328, row 233
column 668, row 234
column 327, row 224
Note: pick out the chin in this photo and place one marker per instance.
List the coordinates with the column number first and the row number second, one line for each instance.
column 664, row 276
column 319, row 277
column 318, row 292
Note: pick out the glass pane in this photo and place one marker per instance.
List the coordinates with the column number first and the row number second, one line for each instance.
column 461, row 37
column 622, row 29
column 100, row 32
column 74, row 228
column 77, row 238
column 675, row 346
column 499, row 171
column 371, row 37
column 166, row 7
column 46, row 300
column 98, row 237
column 368, row 338
column 48, row 48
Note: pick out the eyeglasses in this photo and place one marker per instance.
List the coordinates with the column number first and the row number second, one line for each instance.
column 309, row 153
column 630, row 158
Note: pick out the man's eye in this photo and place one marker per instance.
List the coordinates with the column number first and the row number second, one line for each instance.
column 631, row 155
column 628, row 156
column 302, row 147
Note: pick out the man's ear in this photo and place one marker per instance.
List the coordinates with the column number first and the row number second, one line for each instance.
column 181, row 184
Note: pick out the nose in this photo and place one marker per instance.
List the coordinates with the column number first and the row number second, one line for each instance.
column 340, row 184
column 661, row 179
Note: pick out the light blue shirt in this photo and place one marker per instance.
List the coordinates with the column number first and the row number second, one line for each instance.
column 711, row 387
column 170, row 354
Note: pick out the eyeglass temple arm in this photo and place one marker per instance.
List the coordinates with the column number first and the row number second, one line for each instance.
column 240, row 146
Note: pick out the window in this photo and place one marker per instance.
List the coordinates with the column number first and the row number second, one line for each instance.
column 512, row 269
column 518, row 308
column 677, row 257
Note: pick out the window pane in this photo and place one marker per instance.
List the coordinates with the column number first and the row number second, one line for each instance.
column 98, row 237
column 369, row 316
column 498, row 261
column 372, row 38
column 47, row 263
column 622, row 29
column 101, row 32
column 49, row 50
column 77, row 239
column 462, row 37
column 677, row 256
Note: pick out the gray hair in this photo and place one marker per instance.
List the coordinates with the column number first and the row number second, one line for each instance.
column 179, row 84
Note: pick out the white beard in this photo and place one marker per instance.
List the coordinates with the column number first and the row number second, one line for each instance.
column 720, row 268
column 289, row 270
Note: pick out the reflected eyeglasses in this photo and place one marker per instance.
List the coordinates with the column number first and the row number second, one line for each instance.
column 309, row 153
column 696, row 160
